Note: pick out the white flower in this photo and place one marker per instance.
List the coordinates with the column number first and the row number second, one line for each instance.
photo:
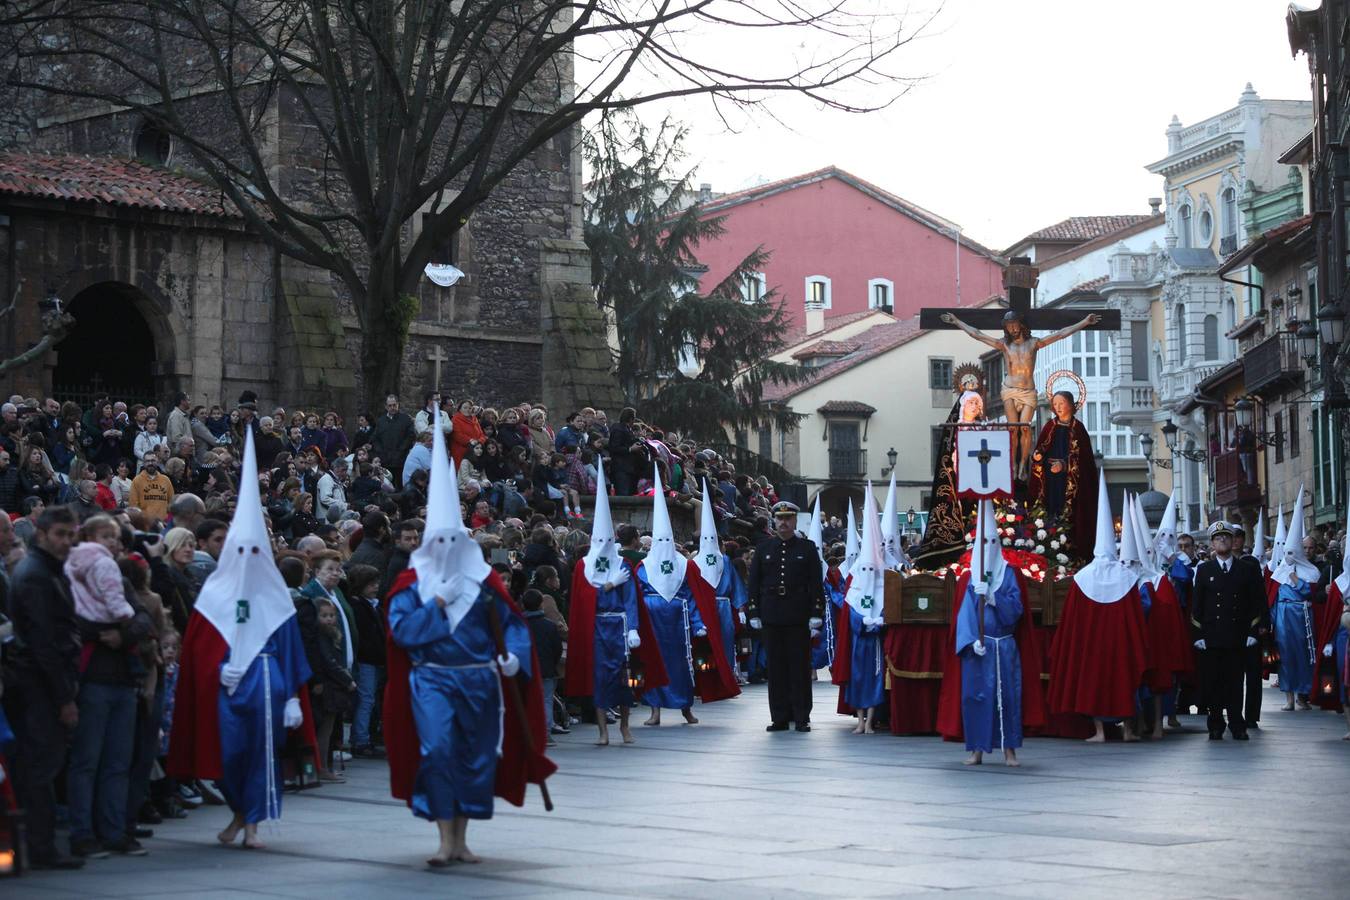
column 1007, row 543
column 1040, row 534
column 1040, row 523
column 1054, row 544
column 1040, row 548
column 1061, row 559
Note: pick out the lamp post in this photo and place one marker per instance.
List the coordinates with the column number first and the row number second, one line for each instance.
column 1146, row 445
column 1170, row 432
column 891, row 457
column 1331, row 324
column 1245, row 410
column 1308, row 337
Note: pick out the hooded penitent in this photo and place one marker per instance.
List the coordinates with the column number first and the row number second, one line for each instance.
column 1277, row 545
column 1148, row 557
column 815, row 533
column 711, row 563
column 665, row 565
column 1293, row 559
column 850, row 543
column 987, row 565
column 866, row 587
column 603, row 559
column 891, row 552
column 1129, row 539
column 1165, row 541
column 1105, row 579
column 1259, row 542
column 449, row 563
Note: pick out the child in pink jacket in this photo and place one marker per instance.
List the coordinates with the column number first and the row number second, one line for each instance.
column 95, row 579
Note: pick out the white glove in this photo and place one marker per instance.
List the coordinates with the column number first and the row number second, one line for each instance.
column 1251, row 642
column 634, row 640
column 621, row 576
column 740, row 614
column 509, row 664
column 815, row 633
column 292, row 717
column 702, row 632
column 230, row 676
column 813, row 623
column 981, row 589
column 756, row 624
column 979, row 648
column 1200, row 644
column 1328, row 651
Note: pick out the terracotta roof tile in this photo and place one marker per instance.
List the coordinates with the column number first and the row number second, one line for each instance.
column 103, row 179
column 1083, row 228
column 848, row 408
column 797, row 333
column 826, row 348
column 873, row 342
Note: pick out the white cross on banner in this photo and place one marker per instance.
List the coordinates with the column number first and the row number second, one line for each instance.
column 984, row 464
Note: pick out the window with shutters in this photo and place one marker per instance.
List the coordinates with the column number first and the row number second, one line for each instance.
column 1279, row 437
column 940, row 374
column 1293, row 432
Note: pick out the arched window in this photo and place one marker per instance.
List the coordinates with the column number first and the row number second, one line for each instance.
column 818, row 291
column 1180, row 318
column 1211, row 337
column 1184, row 226
column 1228, row 213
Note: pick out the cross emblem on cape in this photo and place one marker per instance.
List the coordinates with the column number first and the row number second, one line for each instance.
column 983, row 456
column 711, row 559
column 1018, row 279
column 667, row 567
column 241, row 612
column 602, row 564
column 867, row 601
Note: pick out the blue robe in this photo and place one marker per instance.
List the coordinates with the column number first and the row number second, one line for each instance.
column 822, row 652
column 457, row 702
column 984, row 679
column 1290, row 620
column 1183, row 577
column 616, row 614
column 275, row 675
column 731, row 598
column 1339, row 643
column 673, row 636
column 866, row 685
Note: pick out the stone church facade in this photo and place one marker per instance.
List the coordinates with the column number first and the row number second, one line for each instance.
column 171, row 291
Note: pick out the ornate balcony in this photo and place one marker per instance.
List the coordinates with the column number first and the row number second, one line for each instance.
column 1273, row 364
column 1131, row 404
column 1233, row 485
column 848, row 463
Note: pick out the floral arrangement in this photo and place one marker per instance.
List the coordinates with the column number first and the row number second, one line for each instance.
column 1039, row 547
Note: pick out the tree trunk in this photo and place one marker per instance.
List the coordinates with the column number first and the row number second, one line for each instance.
column 386, row 317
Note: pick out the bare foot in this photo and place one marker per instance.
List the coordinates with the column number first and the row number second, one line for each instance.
column 689, row 716
column 1347, row 736
column 1157, row 734
column 869, row 729
column 1173, row 722
column 1288, row 706
column 654, row 720
column 1010, row 759
column 251, row 841
column 602, row 742
column 231, row 831
column 440, row 860
column 1096, row 739
column 627, row 735
column 974, row 759
column 858, row 729
column 465, row 856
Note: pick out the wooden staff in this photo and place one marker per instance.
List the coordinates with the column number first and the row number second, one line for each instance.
column 513, row 689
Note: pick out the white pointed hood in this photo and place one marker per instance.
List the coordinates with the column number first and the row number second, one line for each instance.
column 1165, row 541
column 1129, row 539
column 710, row 561
column 665, row 565
column 987, row 565
column 1294, row 560
column 1342, row 580
column 245, row 597
column 1105, row 579
column 851, row 545
column 867, row 584
column 449, row 562
column 815, row 533
column 1147, row 556
column 603, row 559
column 1259, row 541
column 1277, row 545
column 891, row 551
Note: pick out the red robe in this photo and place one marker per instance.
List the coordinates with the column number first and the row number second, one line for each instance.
column 519, row 764
column 914, row 663
column 841, row 667
column 579, row 679
column 1099, row 656
column 949, row 723
column 1080, row 490
column 719, row 683
column 194, row 742
column 1169, row 639
column 1326, row 623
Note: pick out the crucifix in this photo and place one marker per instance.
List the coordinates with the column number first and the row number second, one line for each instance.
column 436, row 357
column 983, row 457
column 1018, row 320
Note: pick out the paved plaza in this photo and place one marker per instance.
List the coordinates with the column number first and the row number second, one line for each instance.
column 723, row 809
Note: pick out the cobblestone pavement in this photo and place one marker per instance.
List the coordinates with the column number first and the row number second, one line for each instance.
column 723, row 809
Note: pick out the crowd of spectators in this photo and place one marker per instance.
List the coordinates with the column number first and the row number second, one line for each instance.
column 117, row 514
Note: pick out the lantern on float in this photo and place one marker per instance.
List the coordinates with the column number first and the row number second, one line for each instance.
column 636, row 679
column 702, row 653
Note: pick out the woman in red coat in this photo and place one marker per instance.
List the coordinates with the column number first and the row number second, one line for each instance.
column 465, row 428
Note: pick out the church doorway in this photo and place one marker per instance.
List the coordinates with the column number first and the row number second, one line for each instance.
column 110, row 352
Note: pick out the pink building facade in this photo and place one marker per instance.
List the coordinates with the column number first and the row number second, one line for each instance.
column 850, row 245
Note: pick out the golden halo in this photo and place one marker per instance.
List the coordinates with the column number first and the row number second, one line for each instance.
column 965, row 371
column 1072, row 376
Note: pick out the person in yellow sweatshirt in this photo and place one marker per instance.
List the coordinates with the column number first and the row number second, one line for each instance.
column 151, row 491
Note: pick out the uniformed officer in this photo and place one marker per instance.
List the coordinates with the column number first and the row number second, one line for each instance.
column 1226, row 608
column 787, row 601
column 1253, row 669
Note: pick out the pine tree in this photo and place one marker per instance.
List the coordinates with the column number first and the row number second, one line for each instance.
column 688, row 359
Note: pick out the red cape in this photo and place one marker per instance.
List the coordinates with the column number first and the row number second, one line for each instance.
column 720, row 682
column 1169, row 639
column 194, row 741
column 516, row 767
column 1325, row 624
column 1080, row 490
column 1099, row 656
column 949, row 722
column 579, row 680
column 841, row 667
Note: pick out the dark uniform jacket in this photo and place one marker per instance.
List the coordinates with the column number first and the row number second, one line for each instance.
column 1226, row 608
column 45, row 628
column 786, row 583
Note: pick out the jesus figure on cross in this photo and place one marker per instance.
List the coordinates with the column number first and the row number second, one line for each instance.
column 1019, row 384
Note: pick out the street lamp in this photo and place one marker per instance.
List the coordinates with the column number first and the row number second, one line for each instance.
column 1331, row 323
column 891, row 457
column 1170, row 431
column 909, row 518
column 1243, row 409
column 1170, row 436
column 1307, row 342
column 1146, row 445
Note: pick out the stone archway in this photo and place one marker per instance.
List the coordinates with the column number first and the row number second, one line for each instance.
column 834, row 500
column 118, row 347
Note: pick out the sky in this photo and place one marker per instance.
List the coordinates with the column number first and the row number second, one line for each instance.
column 1028, row 112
